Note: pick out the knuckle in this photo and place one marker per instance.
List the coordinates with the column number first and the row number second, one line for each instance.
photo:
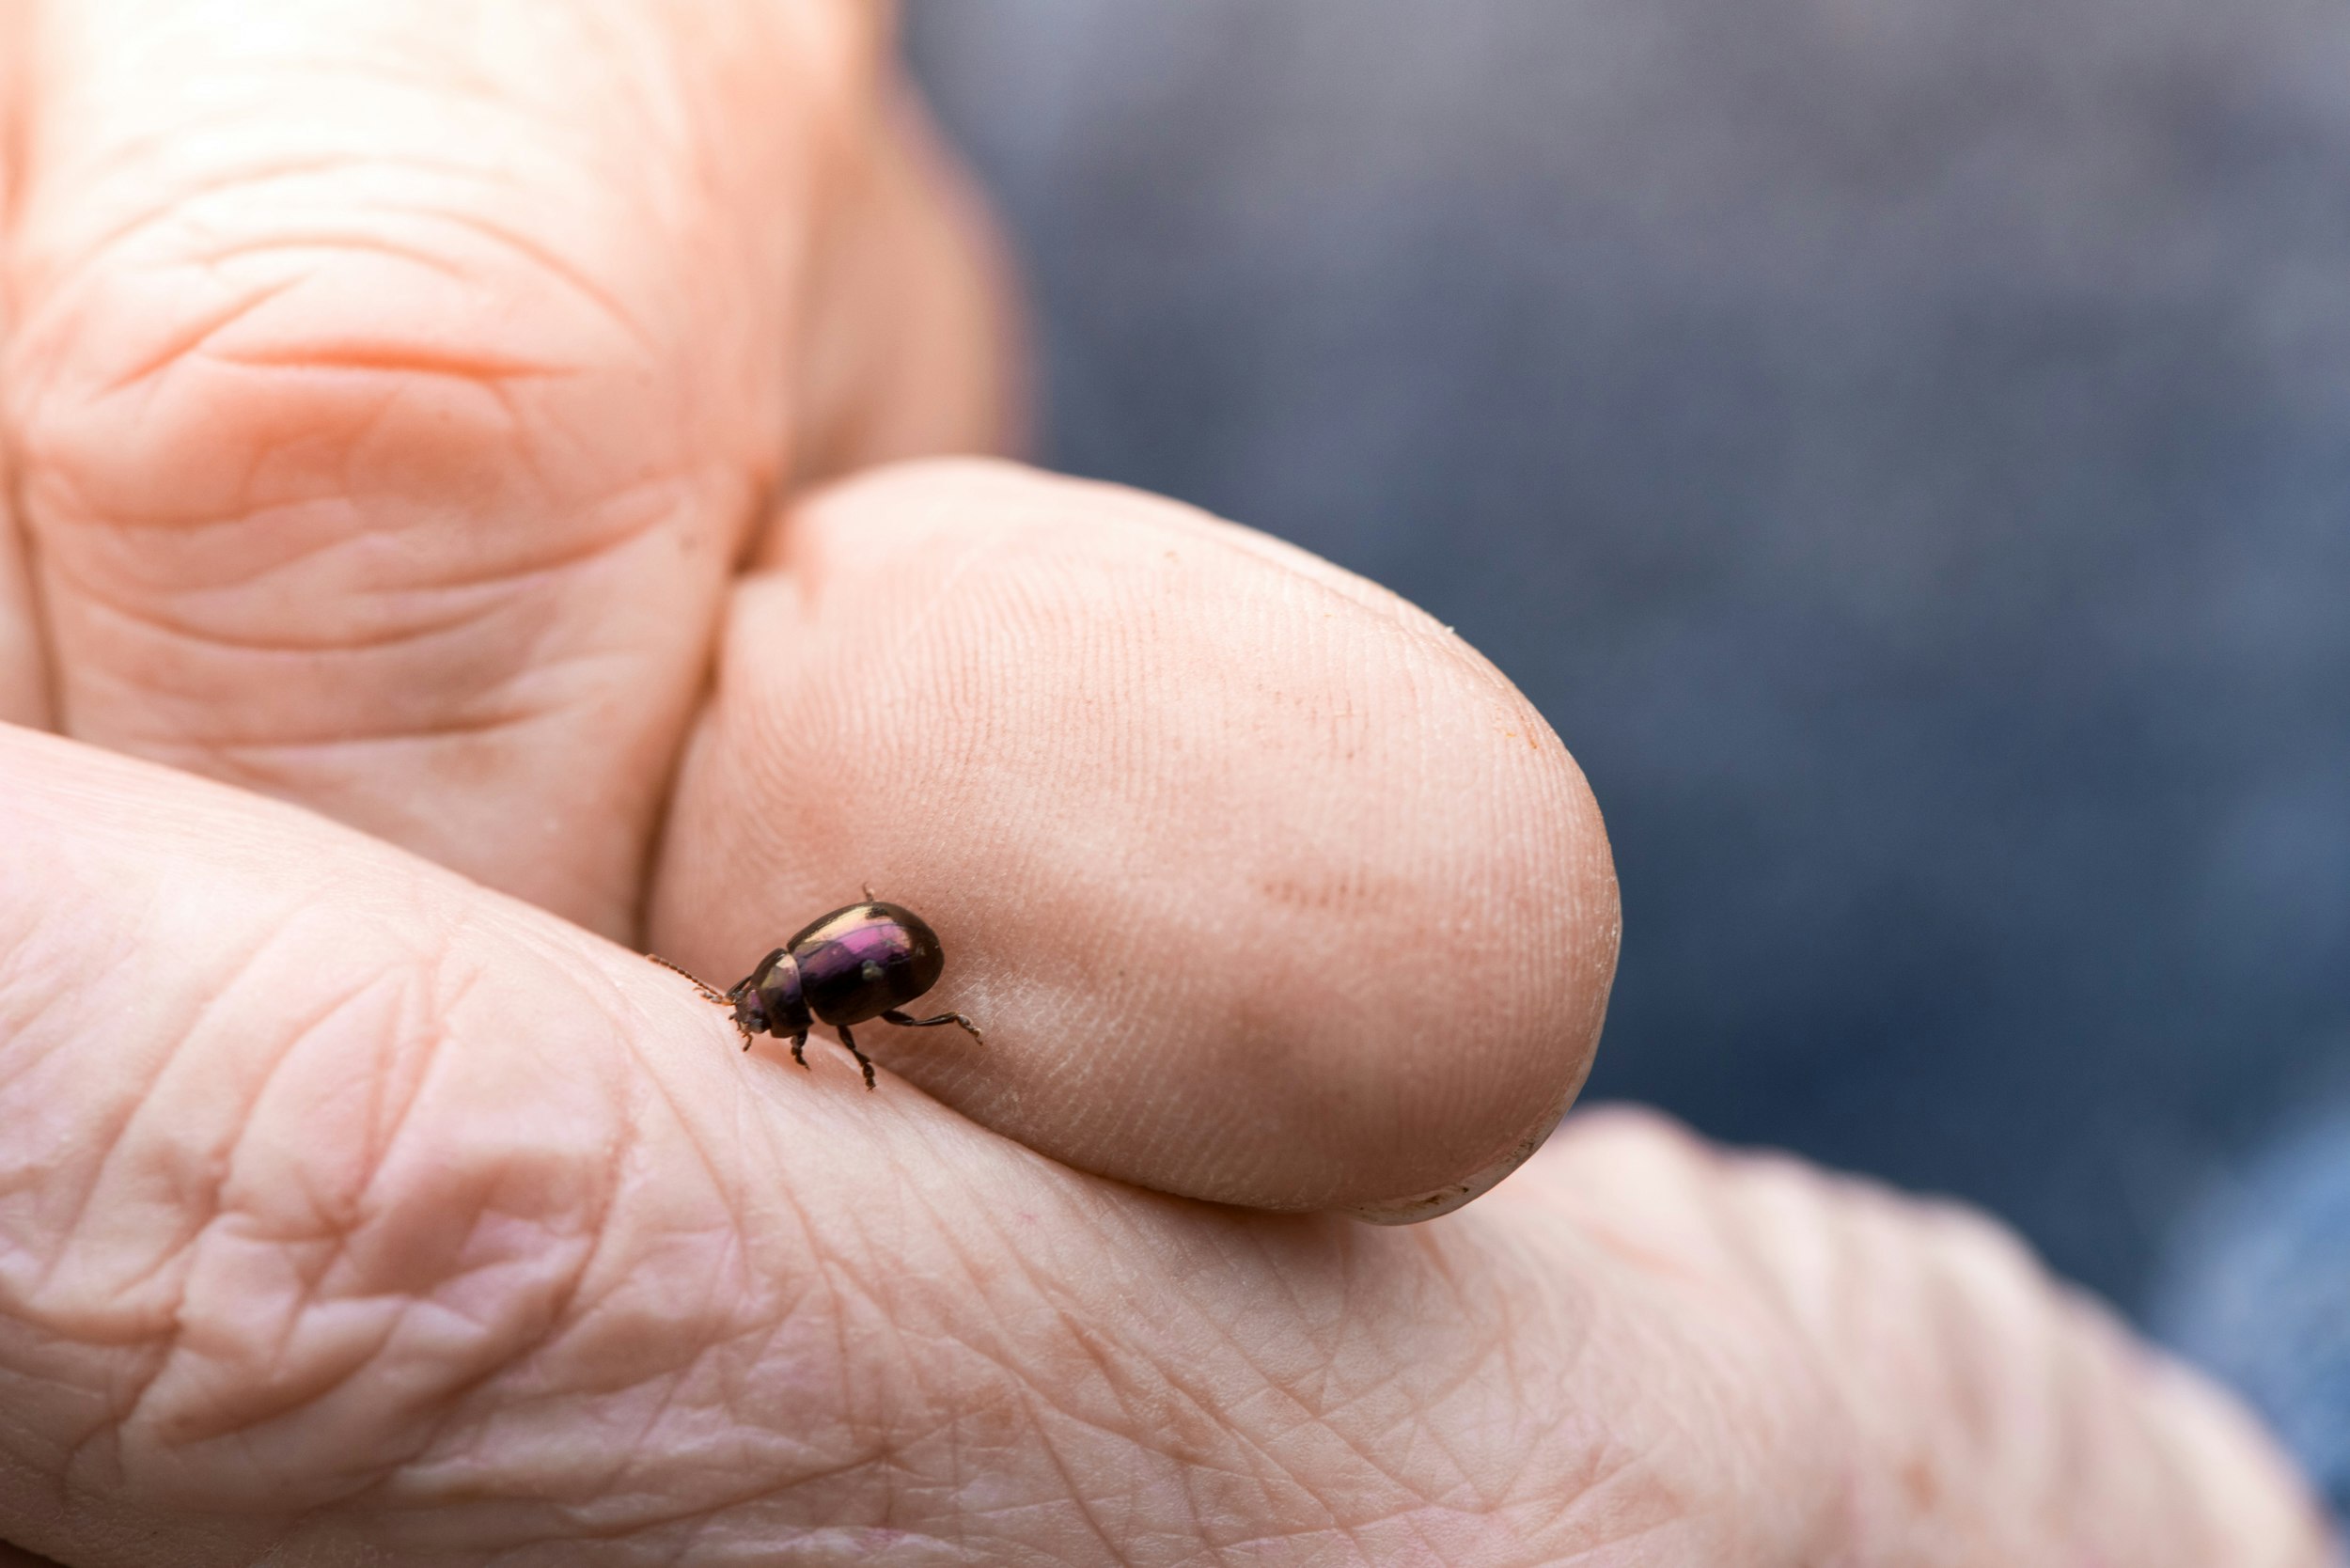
column 426, row 445
column 236, row 350
column 238, row 396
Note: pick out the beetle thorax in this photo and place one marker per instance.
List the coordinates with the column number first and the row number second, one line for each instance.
column 770, row 1001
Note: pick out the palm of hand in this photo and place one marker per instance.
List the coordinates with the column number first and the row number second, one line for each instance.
column 396, row 445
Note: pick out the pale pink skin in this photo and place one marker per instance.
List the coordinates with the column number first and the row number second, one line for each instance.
column 400, row 399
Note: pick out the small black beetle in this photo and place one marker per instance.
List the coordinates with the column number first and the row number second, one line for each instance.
column 854, row 964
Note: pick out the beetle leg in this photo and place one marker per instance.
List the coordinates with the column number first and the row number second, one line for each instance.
column 799, row 1049
column 862, row 1059
column 894, row 1016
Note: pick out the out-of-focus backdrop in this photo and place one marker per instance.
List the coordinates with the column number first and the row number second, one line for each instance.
column 1903, row 446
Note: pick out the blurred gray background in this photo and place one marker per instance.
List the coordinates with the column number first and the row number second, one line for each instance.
column 1903, row 446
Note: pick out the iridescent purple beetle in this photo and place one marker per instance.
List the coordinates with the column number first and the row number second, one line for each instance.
column 854, row 964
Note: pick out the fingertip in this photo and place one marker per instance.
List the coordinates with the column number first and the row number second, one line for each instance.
column 1266, row 887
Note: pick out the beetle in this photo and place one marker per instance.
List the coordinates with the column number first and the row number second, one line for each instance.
column 862, row 961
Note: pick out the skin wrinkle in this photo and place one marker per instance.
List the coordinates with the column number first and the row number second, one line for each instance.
column 1080, row 1503
column 520, row 129
column 139, row 153
column 154, row 618
column 269, row 765
column 1849, row 1276
column 487, row 606
column 317, row 253
column 1021, row 1388
column 1170, row 523
column 447, row 1004
column 387, row 1346
column 837, row 1279
column 364, row 359
column 1143, row 1408
column 566, row 1319
column 222, row 1216
column 947, row 1409
column 188, row 190
column 120, row 1134
column 1295, row 1483
column 1670, row 1405
column 789, row 1306
column 535, row 550
column 137, row 1380
column 166, row 1257
column 1144, row 1420
column 199, row 333
column 506, row 717
column 1611, row 1468
column 735, row 1247
column 1323, row 1414
column 556, row 265
column 567, row 1323
column 1867, row 1205
column 377, row 1160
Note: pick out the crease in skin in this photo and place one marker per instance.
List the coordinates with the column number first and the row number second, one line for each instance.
column 530, row 700
column 364, row 229
column 388, row 617
column 199, row 331
column 658, row 508
column 152, row 1120
column 318, row 1241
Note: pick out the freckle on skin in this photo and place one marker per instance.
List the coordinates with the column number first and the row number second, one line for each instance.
column 1918, row 1480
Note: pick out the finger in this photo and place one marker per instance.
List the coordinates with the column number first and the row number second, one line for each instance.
column 395, row 384
column 350, row 1214
column 24, row 695
column 1264, row 886
column 1984, row 1413
column 910, row 345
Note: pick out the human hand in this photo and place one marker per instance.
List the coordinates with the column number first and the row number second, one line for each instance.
column 355, row 1213
column 390, row 433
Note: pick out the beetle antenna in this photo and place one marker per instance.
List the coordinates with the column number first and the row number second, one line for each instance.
column 868, row 888
column 710, row 993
